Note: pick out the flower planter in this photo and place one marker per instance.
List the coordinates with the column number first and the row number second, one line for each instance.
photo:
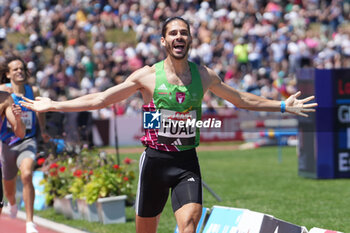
column 87, row 212
column 67, row 207
column 57, row 205
column 111, row 209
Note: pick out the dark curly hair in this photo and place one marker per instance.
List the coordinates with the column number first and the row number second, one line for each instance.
column 4, row 67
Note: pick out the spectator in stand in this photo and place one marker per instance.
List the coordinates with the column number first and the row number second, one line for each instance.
column 268, row 91
column 241, row 52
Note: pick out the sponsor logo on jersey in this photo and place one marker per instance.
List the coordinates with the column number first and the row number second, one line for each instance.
column 162, row 87
column 180, row 97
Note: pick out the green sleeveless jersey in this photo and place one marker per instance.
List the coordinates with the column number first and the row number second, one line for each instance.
column 180, row 108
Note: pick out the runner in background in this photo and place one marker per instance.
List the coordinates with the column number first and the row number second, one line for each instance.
column 20, row 153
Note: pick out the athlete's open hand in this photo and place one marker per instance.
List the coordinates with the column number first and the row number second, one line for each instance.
column 40, row 104
column 299, row 107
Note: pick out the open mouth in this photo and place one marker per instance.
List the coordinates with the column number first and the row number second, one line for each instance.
column 179, row 48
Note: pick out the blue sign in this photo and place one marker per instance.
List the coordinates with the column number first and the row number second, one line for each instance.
column 39, row 202
column 341, row 90
column 223, row 219
column 200, row 223
column 151, row 120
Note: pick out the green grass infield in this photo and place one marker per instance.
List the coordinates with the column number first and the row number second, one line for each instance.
column 257, row 180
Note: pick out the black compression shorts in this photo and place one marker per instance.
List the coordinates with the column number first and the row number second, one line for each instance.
column 161, row 171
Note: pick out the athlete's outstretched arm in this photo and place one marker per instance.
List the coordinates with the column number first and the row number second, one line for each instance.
column 250, row 101
column 41, row 119
column 91, row 101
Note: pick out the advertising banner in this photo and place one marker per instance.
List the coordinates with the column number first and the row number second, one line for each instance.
column 342, row 122
column 324, row 137
column 234, row 220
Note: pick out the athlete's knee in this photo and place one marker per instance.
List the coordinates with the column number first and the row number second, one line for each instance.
column 188, row 226
column 26, row 168
column 147, row 224
column 188, row 217
column 26, row 176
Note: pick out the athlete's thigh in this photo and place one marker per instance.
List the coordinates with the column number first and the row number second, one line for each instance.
column 8, row 161
column 26, row 151
column 189, row 186
column 153, row 190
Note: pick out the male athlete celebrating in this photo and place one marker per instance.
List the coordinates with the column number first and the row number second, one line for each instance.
column 172, row 86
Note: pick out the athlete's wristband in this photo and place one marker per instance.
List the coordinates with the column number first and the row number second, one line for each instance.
column 283, row 106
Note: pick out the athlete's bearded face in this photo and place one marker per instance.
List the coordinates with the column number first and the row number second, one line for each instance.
column 177, row 40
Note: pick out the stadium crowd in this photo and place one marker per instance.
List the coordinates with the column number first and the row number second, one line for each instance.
column 254, row 45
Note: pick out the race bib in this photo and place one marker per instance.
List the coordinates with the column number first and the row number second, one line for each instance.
column 27, row 118
column 177, row 128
